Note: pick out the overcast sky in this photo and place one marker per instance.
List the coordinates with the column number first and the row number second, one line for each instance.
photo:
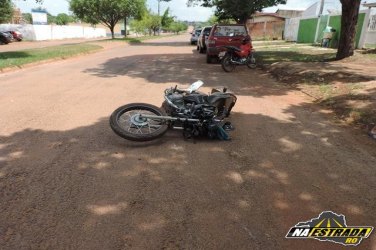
column 178, row 7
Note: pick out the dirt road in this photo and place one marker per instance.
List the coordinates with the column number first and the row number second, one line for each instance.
column 68, row 182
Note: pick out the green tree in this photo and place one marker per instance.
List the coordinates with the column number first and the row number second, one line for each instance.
column 107, row 12
column 214, row 20
column 50, row 18
column 63, row 19
column 159, row 10
column 238, row 10
column 177, row 27
column 27, row 18
column 6, row 11
column 166, row 19
column 138, row 26
column 152, row 23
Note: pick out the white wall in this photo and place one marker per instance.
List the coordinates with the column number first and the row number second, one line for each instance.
column 371, row 32
column 292, row 29
column 371, row 38
column 52, row 32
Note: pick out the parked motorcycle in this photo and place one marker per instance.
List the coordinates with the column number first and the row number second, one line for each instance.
column 193, row 112
column 233, row 56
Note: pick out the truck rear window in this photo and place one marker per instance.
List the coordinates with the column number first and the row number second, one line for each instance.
column 230, row 31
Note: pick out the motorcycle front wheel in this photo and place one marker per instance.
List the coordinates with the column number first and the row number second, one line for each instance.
column 227, row 65
column 128, row 123
column 252, row 63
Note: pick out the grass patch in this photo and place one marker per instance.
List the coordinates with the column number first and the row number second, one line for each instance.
column 326, row 90
column 19, row 58
column 294, row 53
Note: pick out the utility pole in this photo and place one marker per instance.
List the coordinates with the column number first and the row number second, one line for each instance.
column 159, row 16
column 321, row 7
column 319, row 19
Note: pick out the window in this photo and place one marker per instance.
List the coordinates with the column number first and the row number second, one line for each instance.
column 230, row 31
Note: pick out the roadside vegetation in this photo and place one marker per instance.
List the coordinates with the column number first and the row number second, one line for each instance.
column 136, row 39
column 348, row 87
column 150, row 23
column 22, row 57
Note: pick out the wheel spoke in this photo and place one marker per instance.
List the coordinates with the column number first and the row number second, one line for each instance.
column 131, row 122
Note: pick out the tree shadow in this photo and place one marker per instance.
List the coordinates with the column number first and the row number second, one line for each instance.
column 357, row 108
column 186, row 68
column 269, row 57
column 316, row 73
column 163, row 43
column 86, row 188
column 13, row 55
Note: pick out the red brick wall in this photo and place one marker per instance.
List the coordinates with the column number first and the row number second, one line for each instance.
column 274, row 30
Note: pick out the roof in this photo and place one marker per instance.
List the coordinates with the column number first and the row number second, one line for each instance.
column 267, row 14
column 286, row 9
column 369, row 5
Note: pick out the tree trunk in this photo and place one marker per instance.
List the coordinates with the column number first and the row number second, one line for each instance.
column 112, row 32
column 350, row 13
column 125, row 27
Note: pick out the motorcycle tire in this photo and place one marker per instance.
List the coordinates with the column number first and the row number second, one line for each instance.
column 227, row 65
column 252, row 63
column 127, row 133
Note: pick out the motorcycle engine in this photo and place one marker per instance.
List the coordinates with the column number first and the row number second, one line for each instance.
column 177, row 99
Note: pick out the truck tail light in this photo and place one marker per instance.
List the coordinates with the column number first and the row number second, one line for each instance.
column 211, row 43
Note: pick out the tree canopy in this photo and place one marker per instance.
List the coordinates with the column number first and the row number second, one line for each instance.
column 63, row 19
column 166, row 19
column 238, row 10
column 6, row 11
column 107, row 12
column 150, row 23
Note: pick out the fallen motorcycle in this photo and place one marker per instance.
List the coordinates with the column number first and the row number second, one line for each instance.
column 232, row 56
column 193, row 112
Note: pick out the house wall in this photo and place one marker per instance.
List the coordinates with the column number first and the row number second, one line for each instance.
column 308, row 27
column 266, row 27
column 266, row 30
column 307, row 30
column 335, row 22
column 371, row 33
column 290, row 13
column 291, row 29
column 262, row 19
column 117, row 29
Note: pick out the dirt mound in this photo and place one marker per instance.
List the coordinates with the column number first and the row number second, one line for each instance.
column 339, row 86
column 314, row 73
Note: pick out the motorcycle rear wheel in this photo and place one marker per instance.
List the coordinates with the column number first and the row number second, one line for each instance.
column 227, row 65
column 252, row 63
column 127, row 123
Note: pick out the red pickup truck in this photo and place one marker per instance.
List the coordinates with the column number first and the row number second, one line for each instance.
column 224, row 35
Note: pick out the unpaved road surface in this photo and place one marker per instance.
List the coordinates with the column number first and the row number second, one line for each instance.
column 68, row 182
